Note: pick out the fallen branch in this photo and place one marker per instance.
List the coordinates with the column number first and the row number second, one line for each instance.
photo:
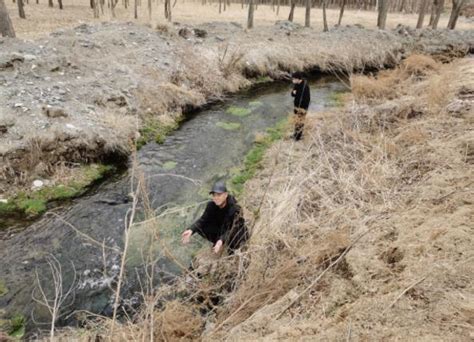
column 401, row 294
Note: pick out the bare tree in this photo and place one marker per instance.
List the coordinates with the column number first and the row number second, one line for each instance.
column 50, row 3
column 292, row 10
column 436, row 14
column 421, row 16
column 168, row 10
column 60, row 3
column 382, row 14
column 453, row 18
column 325, row 20
column 341, row 13
column 21, row 9
column 307, row 16
column 6, row 27
column 250, row 15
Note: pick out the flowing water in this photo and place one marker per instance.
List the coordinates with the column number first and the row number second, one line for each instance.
column 85, row 237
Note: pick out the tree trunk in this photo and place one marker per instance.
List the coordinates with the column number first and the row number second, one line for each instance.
column 341, row 13
column 382, row 14
column 168, row 10
column 278, row 7
column 292, row 10
column 149, row 10
column 60, row 3
column 421, row 16
column 439, row 10
column 325, row 21
column 307, row 16
column 95, row 4
column 50, row 3
column 453, row 18
column 21, row 9
column 220, row 6
column 135, row 9
column 250, row 15
column 6, row 27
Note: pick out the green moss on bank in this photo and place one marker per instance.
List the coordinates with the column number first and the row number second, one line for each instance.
column 34, row 203
column 155, row 130
column 253, row 159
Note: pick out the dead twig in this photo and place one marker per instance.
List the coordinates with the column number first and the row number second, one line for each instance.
column 403, row 293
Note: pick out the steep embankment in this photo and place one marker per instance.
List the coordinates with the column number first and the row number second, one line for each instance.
column 82, row 95
column 366, row 231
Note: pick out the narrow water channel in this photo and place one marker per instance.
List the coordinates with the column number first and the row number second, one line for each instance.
column 178, row 173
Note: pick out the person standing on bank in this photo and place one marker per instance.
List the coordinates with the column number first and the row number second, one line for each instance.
column 301, row 101
column 221, row 223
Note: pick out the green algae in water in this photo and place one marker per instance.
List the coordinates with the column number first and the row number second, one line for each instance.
column 255, row 104
column 238, row 111
column 230, row 126
column 169, row 165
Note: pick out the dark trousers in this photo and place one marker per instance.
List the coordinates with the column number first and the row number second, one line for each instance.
column 300, row 117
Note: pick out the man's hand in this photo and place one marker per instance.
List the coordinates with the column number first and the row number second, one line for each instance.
column 293, row 92
column 186, row 236
column 217, row 247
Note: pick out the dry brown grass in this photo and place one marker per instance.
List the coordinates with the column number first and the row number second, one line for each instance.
column 344, row 180
column 406, row 185
column 392, row 84
column 42, row 19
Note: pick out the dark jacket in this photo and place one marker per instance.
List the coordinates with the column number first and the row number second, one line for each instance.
column 226, row 224
column 302, row 96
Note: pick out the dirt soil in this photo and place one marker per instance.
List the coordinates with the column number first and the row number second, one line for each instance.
column 82, row 94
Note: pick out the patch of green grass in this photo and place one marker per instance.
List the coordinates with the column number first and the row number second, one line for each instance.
column 3, row 288
column 252, row 162
column 32, row 206
column 34, row 203
column 17, row 326
column 337, row 99
column 155, row 130
column 263, row 79
column 169, row 165
column 7, row 208
column 230, row 126
column 238, row 111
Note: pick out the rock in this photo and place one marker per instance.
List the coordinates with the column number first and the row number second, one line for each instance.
column 54, row 112
column 185, row 33
column 8, row 61
column 29, row 58
column 287, row 25
column 200, row 33
column 37, row 184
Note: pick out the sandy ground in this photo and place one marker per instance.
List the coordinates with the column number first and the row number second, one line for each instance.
column 41, row 19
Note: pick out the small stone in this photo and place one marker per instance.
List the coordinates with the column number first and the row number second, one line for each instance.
column 38, row 183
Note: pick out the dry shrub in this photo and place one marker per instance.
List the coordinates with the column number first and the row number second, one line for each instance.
column 369, row 87
column 178, row 322
column 419, row 65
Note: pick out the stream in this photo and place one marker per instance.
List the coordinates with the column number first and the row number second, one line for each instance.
column 84, row 238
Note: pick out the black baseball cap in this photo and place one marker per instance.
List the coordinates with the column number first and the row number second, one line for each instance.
column 298, row 75
column 218, row 188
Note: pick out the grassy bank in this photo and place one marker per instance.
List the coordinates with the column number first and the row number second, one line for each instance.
column 34, row 202
column 365, row 223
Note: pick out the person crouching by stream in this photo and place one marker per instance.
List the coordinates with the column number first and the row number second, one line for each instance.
column 302, row 97
column 222, row 222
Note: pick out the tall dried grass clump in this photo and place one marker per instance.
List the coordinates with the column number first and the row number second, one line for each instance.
column 393, row 84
